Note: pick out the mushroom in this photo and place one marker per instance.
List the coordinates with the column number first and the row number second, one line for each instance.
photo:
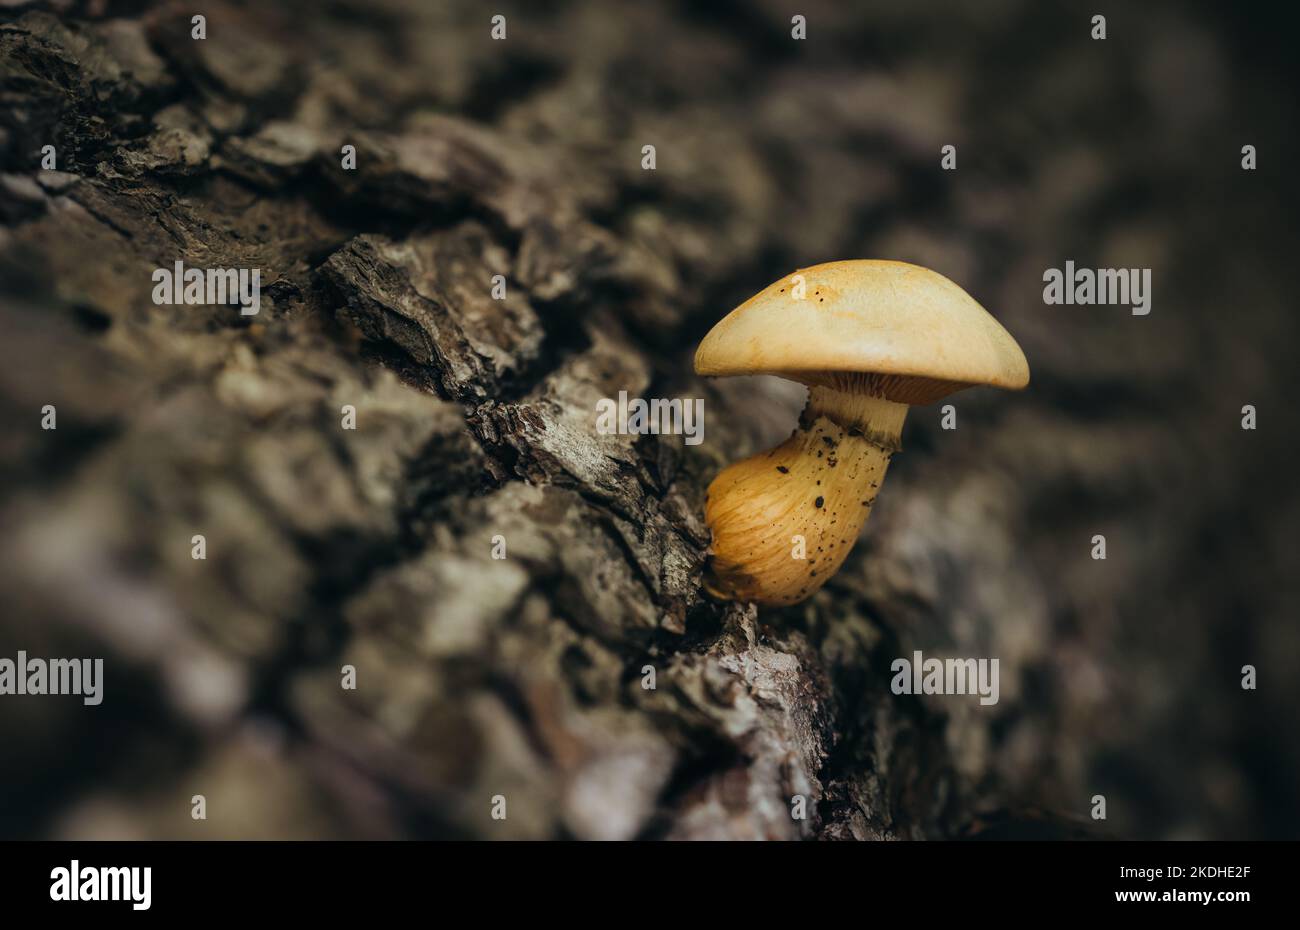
column 868, row 339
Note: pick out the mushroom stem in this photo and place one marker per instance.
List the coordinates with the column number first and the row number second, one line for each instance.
column 807, row 497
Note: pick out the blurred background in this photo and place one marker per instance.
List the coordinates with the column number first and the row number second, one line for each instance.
column 522, row 677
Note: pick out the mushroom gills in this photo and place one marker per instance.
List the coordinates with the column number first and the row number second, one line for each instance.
column 819, row 485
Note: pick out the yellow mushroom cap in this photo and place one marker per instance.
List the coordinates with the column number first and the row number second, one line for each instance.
column 890, row 328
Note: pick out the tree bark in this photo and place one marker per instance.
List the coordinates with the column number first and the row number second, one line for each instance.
column 524, row 677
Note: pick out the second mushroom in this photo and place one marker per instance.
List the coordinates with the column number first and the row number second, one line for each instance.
column 869, row 339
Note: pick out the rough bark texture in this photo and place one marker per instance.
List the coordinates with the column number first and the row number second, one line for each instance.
column 522, row 677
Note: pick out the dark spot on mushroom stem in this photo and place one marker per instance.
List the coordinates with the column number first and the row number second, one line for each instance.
column 783, row 470
column 818, row 503
column 830, row 442
column 812, row 574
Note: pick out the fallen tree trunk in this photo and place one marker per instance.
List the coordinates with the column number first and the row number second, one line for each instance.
column 527, row 677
